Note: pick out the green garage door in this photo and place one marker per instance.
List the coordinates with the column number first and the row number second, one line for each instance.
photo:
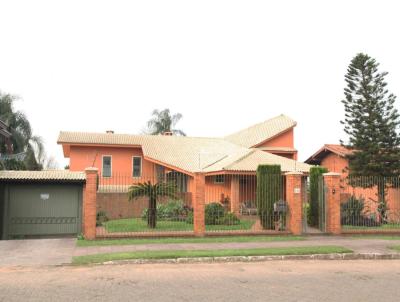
column 43, row 209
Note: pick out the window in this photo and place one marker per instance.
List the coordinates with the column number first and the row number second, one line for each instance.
column 106, row 166
column 180, row 180
column 160, row 172
column 136, row 166
column 219, row 179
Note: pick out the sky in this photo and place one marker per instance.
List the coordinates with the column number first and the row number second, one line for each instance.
column 225, row 65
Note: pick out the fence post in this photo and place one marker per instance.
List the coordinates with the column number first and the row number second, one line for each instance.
column 199, row 227
column 295, row 202
column 89, row 204
column 332, row 202
column 235, row 205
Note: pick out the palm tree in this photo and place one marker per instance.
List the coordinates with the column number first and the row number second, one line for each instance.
column 153, row 192
column 163, row 121
column 22, row 139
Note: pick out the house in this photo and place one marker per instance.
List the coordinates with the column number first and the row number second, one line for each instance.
column 228, row 163
column 334, row 158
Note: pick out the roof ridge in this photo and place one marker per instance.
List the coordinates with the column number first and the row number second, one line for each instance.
column 251, row 151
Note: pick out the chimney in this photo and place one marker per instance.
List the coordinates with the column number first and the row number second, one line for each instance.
column 110, row 131
column 167, row 133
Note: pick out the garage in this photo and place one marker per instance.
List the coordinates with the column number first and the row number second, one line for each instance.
column 40, row 203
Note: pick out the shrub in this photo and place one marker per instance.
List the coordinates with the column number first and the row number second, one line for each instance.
column 213, row 212
column 215, row 215
column 352, row 213
column 228, row 219
column 189, row 218
column 315, row 177
column 269, row 188
column 101, row 217
column 307, row 211
column 172, row 210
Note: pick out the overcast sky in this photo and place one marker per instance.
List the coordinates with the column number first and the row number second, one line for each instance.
column 225, row 65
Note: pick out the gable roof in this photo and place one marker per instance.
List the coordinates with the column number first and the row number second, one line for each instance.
column 261, row 132
column 318, row 156
column 189, row 154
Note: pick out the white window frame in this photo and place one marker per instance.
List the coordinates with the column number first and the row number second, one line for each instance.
column 219, row 182
column 102, row 166
column 141, row 166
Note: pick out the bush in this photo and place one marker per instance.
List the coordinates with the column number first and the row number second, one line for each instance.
column 307, row 211
column 101, row 217
column 215, row 215
column 228, row 219
column 172, row 210
column 269, row 188
column 213, row 212
column 352, row 213
column 315, row 178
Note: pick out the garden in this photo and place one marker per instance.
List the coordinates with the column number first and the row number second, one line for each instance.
column 175, row 216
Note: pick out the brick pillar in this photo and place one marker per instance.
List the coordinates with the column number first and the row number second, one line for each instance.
column 89, row 204
column 234, row 198
column 332, row 202
column 199, row 227
column 295, row 202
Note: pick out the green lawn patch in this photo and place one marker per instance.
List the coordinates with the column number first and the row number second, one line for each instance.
column 306, row 250
column 388, row 226
column 383, row 237
column 140, row 225
column 395, row 248
column 131, row 241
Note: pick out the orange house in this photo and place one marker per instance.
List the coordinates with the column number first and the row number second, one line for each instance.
column 229, row 163
column 333, row 157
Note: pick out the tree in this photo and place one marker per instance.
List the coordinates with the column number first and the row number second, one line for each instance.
column 163, row 121
column 268, row 191
column 371, row 123
column 153, row 192
column 22, row 139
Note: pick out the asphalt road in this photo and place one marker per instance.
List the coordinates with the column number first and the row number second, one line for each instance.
column 360, row 280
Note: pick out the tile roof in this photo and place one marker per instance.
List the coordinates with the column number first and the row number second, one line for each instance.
column 43, row 175
column 191, row 154
column 317, row 157
column 261, row 132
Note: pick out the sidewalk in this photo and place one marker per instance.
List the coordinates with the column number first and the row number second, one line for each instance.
column 358, row 245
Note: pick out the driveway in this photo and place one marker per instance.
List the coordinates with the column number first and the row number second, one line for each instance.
column 36, row 252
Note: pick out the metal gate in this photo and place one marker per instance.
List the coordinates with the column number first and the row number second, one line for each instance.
column 321, row 204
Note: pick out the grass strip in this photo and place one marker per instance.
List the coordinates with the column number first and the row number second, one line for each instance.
column 306, row 250
column 395, row 248
column 131, row 241
column 383, row 237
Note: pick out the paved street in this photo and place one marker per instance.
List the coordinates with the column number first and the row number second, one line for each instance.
column 361, row 280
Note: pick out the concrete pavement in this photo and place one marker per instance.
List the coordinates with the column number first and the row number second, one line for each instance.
column 39, row 252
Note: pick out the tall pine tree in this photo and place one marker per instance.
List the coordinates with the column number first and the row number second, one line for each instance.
column 371, row 122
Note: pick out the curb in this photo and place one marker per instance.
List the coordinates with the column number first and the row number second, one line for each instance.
column 344, row 256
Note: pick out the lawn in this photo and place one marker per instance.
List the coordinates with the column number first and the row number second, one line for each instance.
column 306, row 250
column 383, row 237
column 396, row 248
column 388, row 226
column 131, row 241
column 140, row 225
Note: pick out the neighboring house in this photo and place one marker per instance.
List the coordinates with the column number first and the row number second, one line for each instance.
column 229, row 163
column 333, row 157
